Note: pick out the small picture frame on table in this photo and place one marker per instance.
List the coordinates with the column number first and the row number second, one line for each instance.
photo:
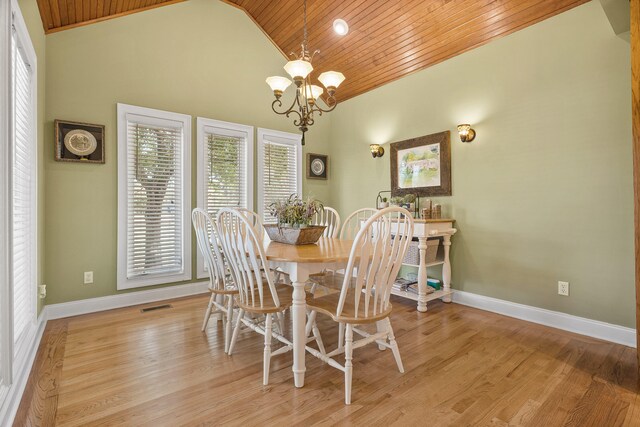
column 78, row 142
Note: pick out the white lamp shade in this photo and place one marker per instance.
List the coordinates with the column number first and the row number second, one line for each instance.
column 298, row 68
column 277, row 83
column 313, row 91
column 331, row 78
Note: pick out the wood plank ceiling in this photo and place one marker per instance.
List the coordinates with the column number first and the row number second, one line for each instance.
column 391, row 39
column 387, row 39
column 58, row 15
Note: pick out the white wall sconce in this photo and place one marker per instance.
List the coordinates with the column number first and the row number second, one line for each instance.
column 376, row 150
column 466, row 133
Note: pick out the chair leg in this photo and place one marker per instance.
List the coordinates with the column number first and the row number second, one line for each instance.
column 281, row 322
column 267, row 349
column 394, row 346
column 340, row 335
column 312, row 325
column 207, row 315
column 235, row 331
column 348, row 365
column 381, row 326
column 217, row 314
column 229, row 320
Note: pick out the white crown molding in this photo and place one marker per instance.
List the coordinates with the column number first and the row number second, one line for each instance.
column 92, row 305
column 555, row 319
column 14, row 394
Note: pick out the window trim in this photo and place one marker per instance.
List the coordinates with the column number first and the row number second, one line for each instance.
column 6, row 299
column 14, row 354
column 123, row 110
column 279, row 137
column 202, row 124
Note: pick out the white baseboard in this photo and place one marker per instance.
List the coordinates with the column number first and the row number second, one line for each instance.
column 92, row 305
column 15, row 391
column 554, row 319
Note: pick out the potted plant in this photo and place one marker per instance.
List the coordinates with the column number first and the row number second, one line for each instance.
column 293, row 220
column 383, row 204
column 396, row 201
column 409, row 202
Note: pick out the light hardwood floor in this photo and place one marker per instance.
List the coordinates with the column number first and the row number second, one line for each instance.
column 463, row 367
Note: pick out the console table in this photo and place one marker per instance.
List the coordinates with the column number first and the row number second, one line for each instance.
column 425, row 229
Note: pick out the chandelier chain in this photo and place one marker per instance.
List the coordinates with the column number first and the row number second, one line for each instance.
column 304, row 38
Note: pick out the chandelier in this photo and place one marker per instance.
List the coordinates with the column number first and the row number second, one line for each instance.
column 305, row 103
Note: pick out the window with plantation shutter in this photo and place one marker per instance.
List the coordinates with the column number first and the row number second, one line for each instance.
column 23, row 195
column 154, row 197
column 279, row 168
column 225, row 168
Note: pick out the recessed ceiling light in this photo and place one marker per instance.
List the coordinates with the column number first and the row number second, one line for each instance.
column 341, row 27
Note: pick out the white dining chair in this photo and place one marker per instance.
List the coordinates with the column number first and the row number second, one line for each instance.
column 375, row 259
column 259, row 294
column 330, row 218
column 221, row 286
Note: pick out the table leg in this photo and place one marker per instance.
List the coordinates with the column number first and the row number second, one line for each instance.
column 298, row 319
column 422, row 275
column 446, row 269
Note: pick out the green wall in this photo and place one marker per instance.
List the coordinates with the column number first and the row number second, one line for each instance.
column 544, row 193
column 202, row 58
column 31, row 17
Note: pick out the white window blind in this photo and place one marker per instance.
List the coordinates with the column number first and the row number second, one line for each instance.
column 279, row 167
column 154, row 197
column 23, row 194
column 225, row 168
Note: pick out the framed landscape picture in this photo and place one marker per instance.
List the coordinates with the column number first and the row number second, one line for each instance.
column 422, row 166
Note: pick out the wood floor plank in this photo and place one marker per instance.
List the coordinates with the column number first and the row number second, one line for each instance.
column 462, row 367
column 40, row 399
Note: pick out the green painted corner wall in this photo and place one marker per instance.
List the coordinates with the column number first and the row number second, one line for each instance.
column 31, row 15
column 200, row 57
column 544, row 193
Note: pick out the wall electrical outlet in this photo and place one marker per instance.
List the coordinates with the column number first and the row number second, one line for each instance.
column 563, row 288
column 88, row 277
column 42, row 291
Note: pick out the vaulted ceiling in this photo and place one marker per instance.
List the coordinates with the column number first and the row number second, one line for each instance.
column 387, row 39
column 58, row 15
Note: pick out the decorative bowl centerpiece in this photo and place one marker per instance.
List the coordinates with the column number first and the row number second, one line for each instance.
column 294, row 217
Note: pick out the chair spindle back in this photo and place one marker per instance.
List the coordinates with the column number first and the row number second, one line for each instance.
column 206, row 236
column 328, row 217
column 375, row 259
column 354, row 222
column 244, row 251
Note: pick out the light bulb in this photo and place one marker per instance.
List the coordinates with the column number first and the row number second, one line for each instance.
column 341, row 27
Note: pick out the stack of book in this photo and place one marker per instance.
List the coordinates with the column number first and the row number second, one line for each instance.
column 407, row 285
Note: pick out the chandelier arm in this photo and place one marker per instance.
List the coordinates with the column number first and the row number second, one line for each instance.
column 286, row 112
column 320, row 110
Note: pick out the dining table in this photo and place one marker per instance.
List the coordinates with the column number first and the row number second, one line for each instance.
column 300, row 261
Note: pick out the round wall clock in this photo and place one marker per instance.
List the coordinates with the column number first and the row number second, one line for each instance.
column 80, row 142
